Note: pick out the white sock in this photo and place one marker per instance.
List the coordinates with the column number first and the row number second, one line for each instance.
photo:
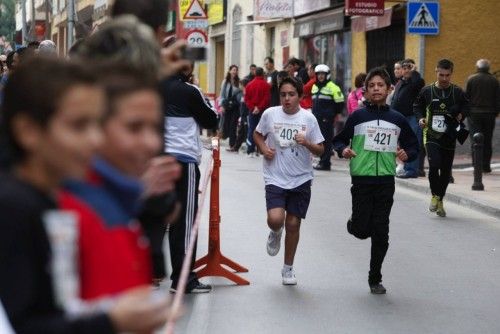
column 286, row 267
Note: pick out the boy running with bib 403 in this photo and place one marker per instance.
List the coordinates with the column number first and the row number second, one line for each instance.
column 287, row 135
column 372, row 138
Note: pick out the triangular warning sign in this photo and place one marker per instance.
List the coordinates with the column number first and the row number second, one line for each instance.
column 423, row 18
column 195, row 11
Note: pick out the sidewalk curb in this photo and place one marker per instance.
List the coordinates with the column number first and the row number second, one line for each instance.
column 460, row 200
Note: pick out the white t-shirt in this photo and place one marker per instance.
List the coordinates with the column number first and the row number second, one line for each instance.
column 292, row 163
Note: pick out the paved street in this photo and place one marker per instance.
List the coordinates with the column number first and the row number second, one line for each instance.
column 441, row 274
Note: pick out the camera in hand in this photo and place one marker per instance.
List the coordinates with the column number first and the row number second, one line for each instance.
column 194, row 53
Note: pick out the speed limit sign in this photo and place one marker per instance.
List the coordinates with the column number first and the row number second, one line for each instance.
column 197, row 38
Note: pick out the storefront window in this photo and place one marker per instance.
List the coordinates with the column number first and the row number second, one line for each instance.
column 332, row 49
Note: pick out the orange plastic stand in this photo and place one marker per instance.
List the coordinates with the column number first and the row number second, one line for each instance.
column 214, row 260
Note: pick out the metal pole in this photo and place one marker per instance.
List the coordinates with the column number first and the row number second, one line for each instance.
column 24, row 29
column 477, row 147
column 421, row 56
column 48, row 33
column 71, row 23
column 33, row 21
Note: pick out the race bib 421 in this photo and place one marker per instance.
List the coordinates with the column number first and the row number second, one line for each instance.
column 381, row 139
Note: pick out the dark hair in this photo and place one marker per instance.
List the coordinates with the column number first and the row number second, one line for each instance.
column 33, row 45
column 259, row 71
column 359, row 80
column 151, row 12
column 297, row 84
column 10, row 59
column 228, row 76
column 407, row 61
column 293, row 61
column 381, row 72
column 269, row 59
column 282, row 75
column 445, row 64
column 313, row 66
column 253, row 65
column 76, row 48
column 120, row 80
column 30, row 93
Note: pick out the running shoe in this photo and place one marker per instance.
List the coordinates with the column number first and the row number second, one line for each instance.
column 440, row 209
column 274, row 242
column 194, row 287
column 434, row 203
column 377, row 289
column 288, row 277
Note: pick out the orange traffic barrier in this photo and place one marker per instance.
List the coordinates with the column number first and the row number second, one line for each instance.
column 214, row 260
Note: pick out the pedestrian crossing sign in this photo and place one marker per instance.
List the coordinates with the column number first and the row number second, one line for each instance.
column 423, row 18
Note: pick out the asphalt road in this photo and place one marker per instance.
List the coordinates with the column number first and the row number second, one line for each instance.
column 442, row 275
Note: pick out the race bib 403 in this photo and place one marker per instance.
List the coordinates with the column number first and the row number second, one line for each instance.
column 381, row 139
column 284, row 133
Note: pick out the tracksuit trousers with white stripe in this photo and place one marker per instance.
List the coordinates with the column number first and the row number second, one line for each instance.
column 180, row 231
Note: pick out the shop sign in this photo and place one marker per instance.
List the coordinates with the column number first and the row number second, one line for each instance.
column 364, row 7
column 301, row 7
column 367, row 23
column 333, row 22
column 304, row 29
column 215, row 12
column 269, row 9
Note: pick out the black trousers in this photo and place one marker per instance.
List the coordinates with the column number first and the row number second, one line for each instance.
column 325, row 121
column 230, row 125
column 371, row 207
column 440, row 164
column 484, row 123
column 180, row 232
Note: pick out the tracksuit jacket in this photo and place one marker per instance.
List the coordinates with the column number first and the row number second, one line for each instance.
column 372, row 167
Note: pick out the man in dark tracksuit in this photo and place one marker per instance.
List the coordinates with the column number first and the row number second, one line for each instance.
column 439, row 108
column 328, row 101
column 186, row 110
column 373, row 137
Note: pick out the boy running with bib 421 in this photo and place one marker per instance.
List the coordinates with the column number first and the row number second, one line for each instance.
column 372, row 138
column 287, row 135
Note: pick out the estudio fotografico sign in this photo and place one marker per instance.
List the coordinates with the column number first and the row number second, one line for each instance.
column 364, row 7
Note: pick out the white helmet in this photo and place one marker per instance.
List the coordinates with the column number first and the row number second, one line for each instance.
column 322, row 68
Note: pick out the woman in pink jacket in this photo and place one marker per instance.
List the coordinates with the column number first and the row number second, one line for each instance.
column 356, row 96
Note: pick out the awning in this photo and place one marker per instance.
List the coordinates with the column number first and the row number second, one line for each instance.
column 332, row 20
column 367, row 23
column 259, row 21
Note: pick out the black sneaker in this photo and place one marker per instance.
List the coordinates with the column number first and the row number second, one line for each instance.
column 193, row 287
column 198, row 287
column 321, row 167
column 377, row 289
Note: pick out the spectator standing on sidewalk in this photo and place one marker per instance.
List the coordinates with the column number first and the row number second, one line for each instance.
column 483, row 90
column 251, row 74
column 186, row 111
column 405, row 94
column 257, row 99
column 272, row 80
column 306, row 100
column 357, row 95
column 439, row 108
column 328, row 101
column 230, row 106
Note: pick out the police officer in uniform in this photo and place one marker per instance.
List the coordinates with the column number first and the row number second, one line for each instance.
column 328, row 101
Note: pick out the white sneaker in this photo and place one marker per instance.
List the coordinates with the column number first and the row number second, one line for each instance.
column 274, row 242
column 288, row 277
column 251, row 155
